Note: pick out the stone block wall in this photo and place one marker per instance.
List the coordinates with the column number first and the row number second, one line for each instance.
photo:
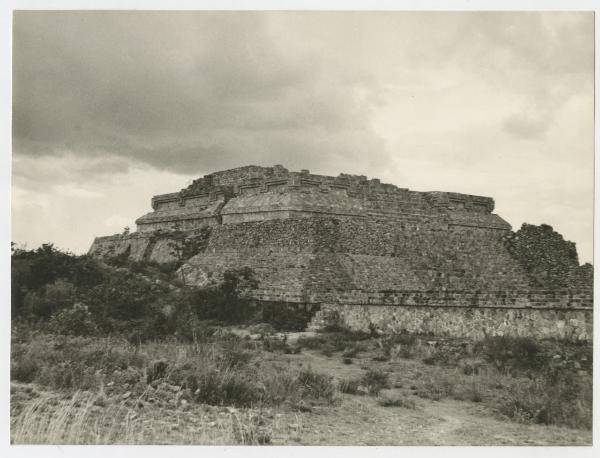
column 182, row 215
column 380, row 255
column 367, row 247
column 474, row 323
column 256, row 193
column 157, row 246
column 548, row 259
column 136, row 245
column 325, row 259
column 531, row 298
column 281, row 275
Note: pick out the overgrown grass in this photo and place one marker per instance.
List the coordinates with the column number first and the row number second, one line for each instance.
column 81, row 420
column 391, row 399
column 436, row 387
column 219, row 368
column 349, row 386
column 563, row 400
column 315, row 385
column 219, row 371
column 371, row 382
column 339, row 340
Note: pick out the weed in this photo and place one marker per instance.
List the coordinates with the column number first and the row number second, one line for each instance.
column 375, row 380
column 332, row 342
column 511, row 353
column 436, row 388
column 348, row 386
column 251, row 429
column 353, row 350
column 280, row 345
column 563, row 400
column 392, row 399
column 84, row 419
column 280, row 385
column 264, row 329
column 469, row 392
column 25, row 370
column 315, row 385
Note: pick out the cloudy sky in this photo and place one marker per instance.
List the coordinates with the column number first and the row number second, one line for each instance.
column 110, row 108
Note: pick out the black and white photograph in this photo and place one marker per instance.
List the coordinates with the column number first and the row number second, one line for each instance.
column 299, row 227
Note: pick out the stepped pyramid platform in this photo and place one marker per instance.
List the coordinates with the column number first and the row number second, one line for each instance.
column 368, row 253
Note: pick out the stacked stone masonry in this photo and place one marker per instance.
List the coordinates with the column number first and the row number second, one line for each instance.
column 370, row 250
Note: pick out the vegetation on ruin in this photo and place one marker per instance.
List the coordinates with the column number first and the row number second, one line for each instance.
column 139, row 300
column 123, row 353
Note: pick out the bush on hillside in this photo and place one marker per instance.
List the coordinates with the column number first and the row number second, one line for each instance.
column 511, row 353
column 76, row 321
column 560, row 398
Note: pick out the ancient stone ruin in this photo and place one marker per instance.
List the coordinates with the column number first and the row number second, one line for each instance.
column 368, row 254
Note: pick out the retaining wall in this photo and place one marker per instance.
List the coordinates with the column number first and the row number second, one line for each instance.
column 468, row 322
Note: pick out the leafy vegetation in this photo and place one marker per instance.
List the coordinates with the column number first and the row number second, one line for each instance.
column 124, row 333
column 139, row 300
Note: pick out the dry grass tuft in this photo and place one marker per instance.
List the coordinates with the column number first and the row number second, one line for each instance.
column 79, row 420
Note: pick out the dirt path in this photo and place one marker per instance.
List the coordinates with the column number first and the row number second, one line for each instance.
column 360, row 420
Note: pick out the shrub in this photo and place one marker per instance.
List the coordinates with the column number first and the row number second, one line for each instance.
column 446, row 352
column 332, row 342
column 73, row 362
column 225, row 302
column 286, row 317
column 353, row 350
column 32, row 271
column 280, row 385
column 49, row 299
column 372, row 382
column 75, row 321
column 401, row 345
column 315, row 385
column 565, row 399
column 68, row 375
column 232, row 356
column 214, row 372
column 216, row 384
column 25, row 370
column 349, row 386
column 436, row 388
column 468, row 392
column 280, row 345
column 393, row 399
column 192, row 244
column 509, row 353
column 312, row 343
column 251, row 428
column 228, row 389
column 375, row 380
column 124, row 297
column 156, row 371
column 261, row 328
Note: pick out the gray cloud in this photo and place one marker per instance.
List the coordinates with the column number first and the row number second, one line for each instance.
column 181, row 91
column 522, row 126
column 110, row 108
column 43, row 175
column 546, row 58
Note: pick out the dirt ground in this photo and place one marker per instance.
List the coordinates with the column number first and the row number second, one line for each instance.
column 353, row 420
column 360, row 420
